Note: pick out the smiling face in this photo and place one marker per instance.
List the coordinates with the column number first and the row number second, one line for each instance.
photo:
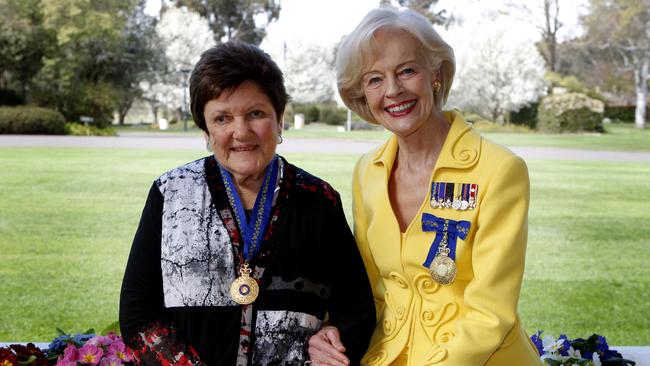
column 243, row 129
column 398, row 86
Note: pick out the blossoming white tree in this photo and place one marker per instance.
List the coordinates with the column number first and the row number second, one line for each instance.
column 308, row 71
column 496, row 71
column 184, row 35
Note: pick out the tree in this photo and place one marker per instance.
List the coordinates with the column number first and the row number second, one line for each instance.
column 24, row 42
column 138, row 55
column 621, row 28
column 546, row 16
column 78, row 77
column 309, row 72
column 166, row 87
column 424, row 7
column 496, row 72
column 235, row 19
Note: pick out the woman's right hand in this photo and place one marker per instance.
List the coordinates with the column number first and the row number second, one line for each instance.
column 325, row 348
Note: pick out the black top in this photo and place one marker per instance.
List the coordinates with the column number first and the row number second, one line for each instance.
column 184, row 258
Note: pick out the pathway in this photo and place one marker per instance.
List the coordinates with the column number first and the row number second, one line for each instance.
column 290, row 145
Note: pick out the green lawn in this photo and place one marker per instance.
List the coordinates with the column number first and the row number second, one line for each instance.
column 67, row 217
column 622, row 137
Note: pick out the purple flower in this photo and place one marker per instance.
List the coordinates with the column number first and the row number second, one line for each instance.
column 100, row 341
column 118, row 349
column 537, row 341
column 601, row 344
column 70, row 356
column 90, row 354
column 59, row 343
column 564, row 349
column 111, row 361
column 81, row 339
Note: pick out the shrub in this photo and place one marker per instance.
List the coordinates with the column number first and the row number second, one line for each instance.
column 31, row 120
column 570, row 112
column 77, row 129
column 622, row 113
column 311, row 112
column 525, row 115
column 334, row 116
column 10, row 97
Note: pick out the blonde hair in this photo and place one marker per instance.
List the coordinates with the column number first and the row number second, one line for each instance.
column 356, row 52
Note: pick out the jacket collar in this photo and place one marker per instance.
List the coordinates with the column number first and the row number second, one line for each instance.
column 460, row 150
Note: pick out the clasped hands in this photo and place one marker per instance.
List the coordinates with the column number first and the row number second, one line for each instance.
column 325, row 348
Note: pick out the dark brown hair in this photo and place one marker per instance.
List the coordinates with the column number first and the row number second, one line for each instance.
column 225, row 67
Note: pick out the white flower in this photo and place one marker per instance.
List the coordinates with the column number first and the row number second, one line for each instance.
column 574, row 353
column 595, row 359
column 552, row 346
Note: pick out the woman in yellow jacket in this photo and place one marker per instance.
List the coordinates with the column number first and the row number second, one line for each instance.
column 440, row 213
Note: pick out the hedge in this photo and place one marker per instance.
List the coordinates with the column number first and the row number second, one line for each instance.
column 570, row 112
column 31, row 120
column 623, row 113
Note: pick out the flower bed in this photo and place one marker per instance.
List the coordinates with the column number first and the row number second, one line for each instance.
column 593, row 351
column 71, row 350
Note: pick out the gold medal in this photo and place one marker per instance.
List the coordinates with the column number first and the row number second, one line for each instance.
column 244, row 289
column 443, row 269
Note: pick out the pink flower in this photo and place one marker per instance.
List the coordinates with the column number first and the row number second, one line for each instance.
column 70, row 356
column 110, row 361
column 90, row 354
column 100, row 341
column 119, row 350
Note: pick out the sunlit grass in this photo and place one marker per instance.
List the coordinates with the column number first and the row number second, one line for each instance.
column 67, row 218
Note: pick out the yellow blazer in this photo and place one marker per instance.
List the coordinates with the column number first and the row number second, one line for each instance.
column 473, row 321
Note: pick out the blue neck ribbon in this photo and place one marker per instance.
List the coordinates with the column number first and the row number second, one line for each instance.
column 454, row 230
column 253, row 228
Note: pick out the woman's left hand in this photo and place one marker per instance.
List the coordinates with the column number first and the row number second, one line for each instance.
column 325, row 348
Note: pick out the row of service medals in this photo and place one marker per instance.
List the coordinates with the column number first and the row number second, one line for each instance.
column 457, row 196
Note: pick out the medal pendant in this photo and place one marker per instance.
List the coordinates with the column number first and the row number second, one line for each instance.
column 443, row 269
column 464, row 205
column 456, row 205
column 244, row 289
column 434, row 203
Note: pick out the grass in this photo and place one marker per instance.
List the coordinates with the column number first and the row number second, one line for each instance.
column 67, row 218
column 617, row 137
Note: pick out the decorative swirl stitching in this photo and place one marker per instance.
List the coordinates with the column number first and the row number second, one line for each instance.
column 437, row 356
column 375, row 358
column 390, row 323
column 464, row 156
column 425, row 284
column 429, row 318
column 449, row 310
column 445, row 337
column 401, row 281
column 393, row 321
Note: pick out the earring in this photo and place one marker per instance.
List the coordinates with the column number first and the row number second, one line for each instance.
column 436, row 86
column 208, row 147
column 280, row 139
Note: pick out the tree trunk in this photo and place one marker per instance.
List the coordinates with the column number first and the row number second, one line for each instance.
column 154, row 108
column 124, row 108
column 641, row 76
